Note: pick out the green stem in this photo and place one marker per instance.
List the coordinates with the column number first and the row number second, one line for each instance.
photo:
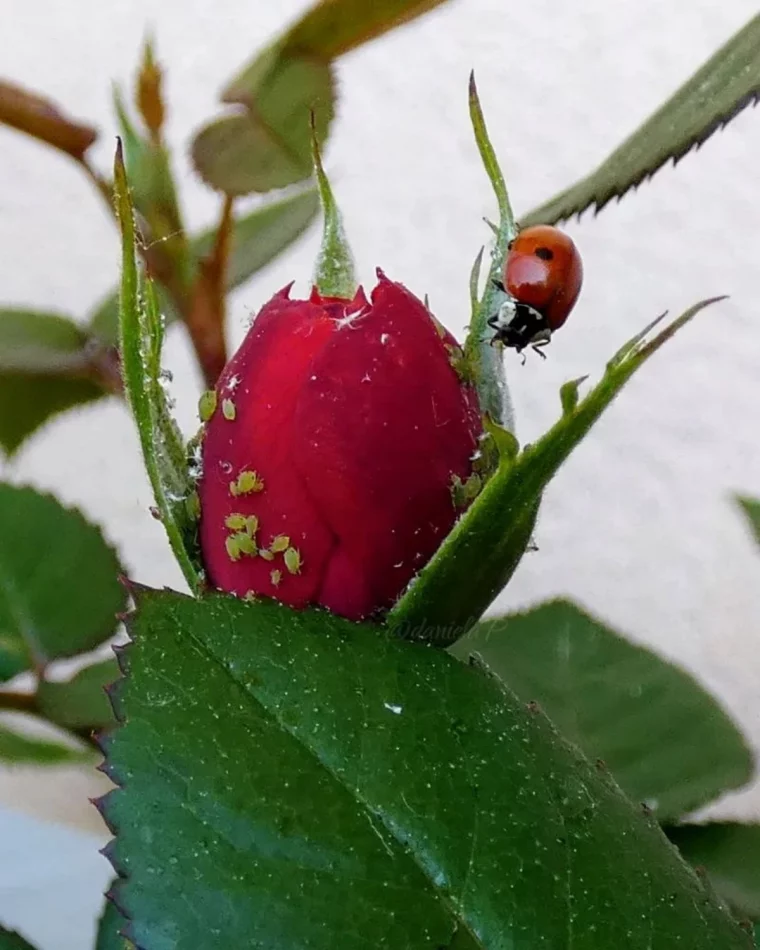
column 486, row 360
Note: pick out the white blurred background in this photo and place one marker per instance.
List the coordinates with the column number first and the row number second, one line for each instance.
column 639, row 527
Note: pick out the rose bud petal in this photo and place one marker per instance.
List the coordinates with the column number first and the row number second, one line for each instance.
column 339, row 429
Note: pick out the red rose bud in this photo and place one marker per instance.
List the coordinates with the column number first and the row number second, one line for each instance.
column 338, row 453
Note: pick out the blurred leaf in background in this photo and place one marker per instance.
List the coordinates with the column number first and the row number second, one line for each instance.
column 662, row 735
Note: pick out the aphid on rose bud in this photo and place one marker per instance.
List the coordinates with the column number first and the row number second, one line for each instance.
column 207, row 405
column 245, row 483
column 280, row 543
column 543, row 276
column 293, row 562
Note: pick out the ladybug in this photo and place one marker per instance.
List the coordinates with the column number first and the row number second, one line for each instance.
column 542, row 279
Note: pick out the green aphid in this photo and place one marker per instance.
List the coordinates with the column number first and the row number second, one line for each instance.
column 266, row 554
column 228, row 409
column 250, row 597
column 456, row 487
column 280, row 543
column 193, row 506
column 246, row 544
column 293, row 562
column 462, row 493
column 235, row 522
column 245, row 483
column 207, row 405
column 233, row 548
column 459, row 362
column 252, row 524
column 276, row 577
column 472, row 487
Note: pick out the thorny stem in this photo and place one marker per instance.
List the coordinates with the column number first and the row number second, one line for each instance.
column 208, row 340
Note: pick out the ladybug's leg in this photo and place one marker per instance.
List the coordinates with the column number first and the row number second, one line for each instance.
column 542, row 338
column 499, row 285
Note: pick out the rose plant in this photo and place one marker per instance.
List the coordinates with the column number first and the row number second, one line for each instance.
column 326, row 744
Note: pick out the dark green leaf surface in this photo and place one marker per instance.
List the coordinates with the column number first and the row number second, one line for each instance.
column 718, row 91
column 257, row 238
column 291, row 780
column 44, row 369
column 19, row 749
column 751, row 508
column 80, row 702
column 141, row 338
column 730, row 852
column 10, row 940
column 664, row 738
column 109, row 925
column 59, row 588
column 479, row 556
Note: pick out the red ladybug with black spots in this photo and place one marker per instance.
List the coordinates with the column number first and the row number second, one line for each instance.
column 543, row 275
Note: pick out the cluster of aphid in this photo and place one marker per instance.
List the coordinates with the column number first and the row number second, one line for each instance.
column 242, row 539
column 543, row 275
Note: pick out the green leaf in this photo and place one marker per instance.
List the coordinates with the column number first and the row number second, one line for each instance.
column 751, row 508
column 19, row 749
column 46, row 366
column 488, row 361
column 730, row 853
column 268, row 146
column 334, row 27
column 109, row 925
column 480, row 554
column 718, row 91
column 334, row 272
column 299, row 780
column 141, row 333
column 59, row 588
column 257, row 238
column 10, row 940
column 80, row 702
column 664, row 738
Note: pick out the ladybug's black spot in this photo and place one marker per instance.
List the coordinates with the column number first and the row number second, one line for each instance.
column 545, row 253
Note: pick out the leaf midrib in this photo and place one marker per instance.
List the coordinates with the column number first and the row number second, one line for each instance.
column 457, row 918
